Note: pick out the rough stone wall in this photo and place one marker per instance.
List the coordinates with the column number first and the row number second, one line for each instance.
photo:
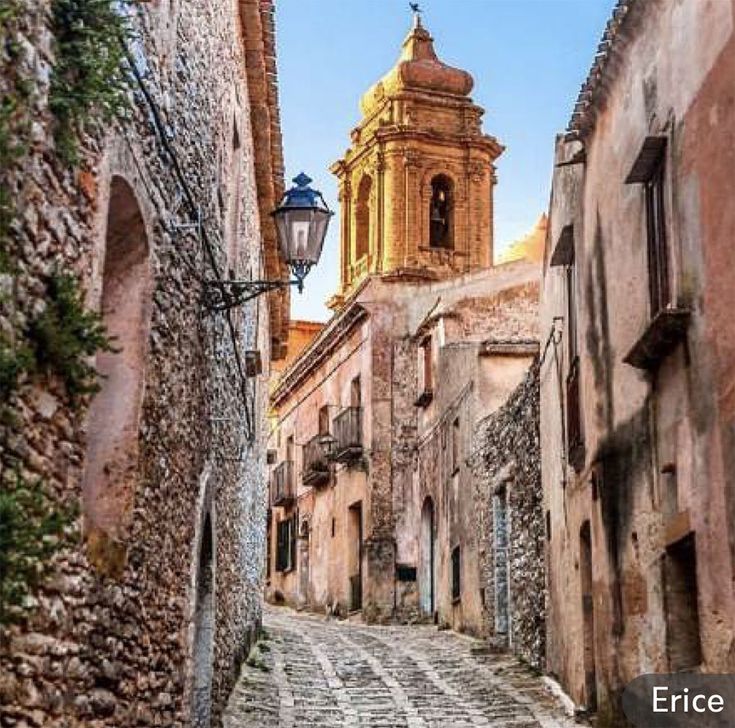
column 507, row 456
column 114, row 649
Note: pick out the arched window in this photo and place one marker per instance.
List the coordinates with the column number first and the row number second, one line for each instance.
column 234, row 193
column 363, row 230
column 441, row 213
column 111, row 465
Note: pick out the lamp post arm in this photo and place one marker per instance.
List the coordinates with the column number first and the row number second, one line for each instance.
column 223, row 295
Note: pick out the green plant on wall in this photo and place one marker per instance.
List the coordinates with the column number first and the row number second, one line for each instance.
column 66, row 335
column 88, row 84
column 32, row 529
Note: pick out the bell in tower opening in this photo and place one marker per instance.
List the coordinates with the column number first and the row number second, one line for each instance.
column 440, row 230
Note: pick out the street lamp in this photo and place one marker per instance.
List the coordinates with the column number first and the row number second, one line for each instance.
column 301, row 222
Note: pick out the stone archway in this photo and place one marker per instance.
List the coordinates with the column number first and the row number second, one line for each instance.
column 427, row 566
column 111, row 464
column 204, row 625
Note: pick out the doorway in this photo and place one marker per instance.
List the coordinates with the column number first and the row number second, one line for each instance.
column 204, row 631
column 501, row 563
column 356, row 551
column 588, row 616
column 427, row 598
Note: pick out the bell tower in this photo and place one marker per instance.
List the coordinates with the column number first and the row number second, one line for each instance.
column 416, row 184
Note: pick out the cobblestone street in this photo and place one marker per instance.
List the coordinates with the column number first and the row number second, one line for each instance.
column 315, row 672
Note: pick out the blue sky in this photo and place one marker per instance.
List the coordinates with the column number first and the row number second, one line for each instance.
column 528, row 59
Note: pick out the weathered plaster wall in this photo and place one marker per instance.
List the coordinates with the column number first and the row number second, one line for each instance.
column 646, row 436
column 111, row 644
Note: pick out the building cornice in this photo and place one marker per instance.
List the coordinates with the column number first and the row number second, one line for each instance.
column 259, row 50
column 324, row 344
column 604, row 68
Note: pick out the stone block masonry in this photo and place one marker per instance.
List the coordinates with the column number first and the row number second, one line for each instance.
column 507, row 482
column 148, row 612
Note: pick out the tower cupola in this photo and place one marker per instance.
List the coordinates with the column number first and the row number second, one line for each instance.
column 416, row 183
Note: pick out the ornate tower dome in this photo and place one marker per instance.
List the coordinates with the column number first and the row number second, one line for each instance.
column 416, row 184
column 418, row 68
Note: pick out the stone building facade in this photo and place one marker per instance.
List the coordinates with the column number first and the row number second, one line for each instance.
column 636, row 396
column 508, row 497
column 372, row 497
column 153, row 602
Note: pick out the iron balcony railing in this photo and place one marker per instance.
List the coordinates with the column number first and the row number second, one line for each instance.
column 283, row 487
column 347, row 428
column 316, row 464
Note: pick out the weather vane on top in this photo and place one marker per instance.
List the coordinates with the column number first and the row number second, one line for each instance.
column 415, row 7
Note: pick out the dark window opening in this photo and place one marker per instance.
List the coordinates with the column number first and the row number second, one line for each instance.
column 286, row 544
column 683, row 643
column 575, row 439
column 425, row 373
column 441, row 213
column 548, row 525
column 355, row 393
column 324, row 420
column 456, row 573
column 334, row 527
column 363, row 226
column 456, row 446
column 658, row 254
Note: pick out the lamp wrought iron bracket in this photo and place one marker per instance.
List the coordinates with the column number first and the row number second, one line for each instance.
column 224, row 295
column 195, row 224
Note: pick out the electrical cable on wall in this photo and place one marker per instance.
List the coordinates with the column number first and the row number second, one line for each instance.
column 195, row 213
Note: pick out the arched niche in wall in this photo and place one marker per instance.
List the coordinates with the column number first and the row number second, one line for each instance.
column 441, row 212
column 111, row 463
column 363, row 218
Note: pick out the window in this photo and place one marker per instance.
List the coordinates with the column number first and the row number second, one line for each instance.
column 286, row 543
column 425, row 373
column 658, row 256
column 362, row 218
column 441, row 213
column 456, row 574
column 575, row 441
column 269, row 544
column 324, row 420
column 570, row 275
column 355, row 393
column 649, row 170
column 456, row 446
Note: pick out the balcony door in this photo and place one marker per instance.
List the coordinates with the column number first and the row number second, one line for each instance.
column 356, row 551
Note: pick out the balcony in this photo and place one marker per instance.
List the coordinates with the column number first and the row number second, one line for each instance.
column 667, row 330
column 347, row 429
column 283, row 490
column 316, row 464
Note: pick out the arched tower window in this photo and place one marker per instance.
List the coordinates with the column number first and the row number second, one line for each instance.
column 111, row 468
column 362, row 218
column 441, row 213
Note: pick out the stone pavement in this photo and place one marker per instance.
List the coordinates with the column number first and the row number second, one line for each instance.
column 314, row 672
